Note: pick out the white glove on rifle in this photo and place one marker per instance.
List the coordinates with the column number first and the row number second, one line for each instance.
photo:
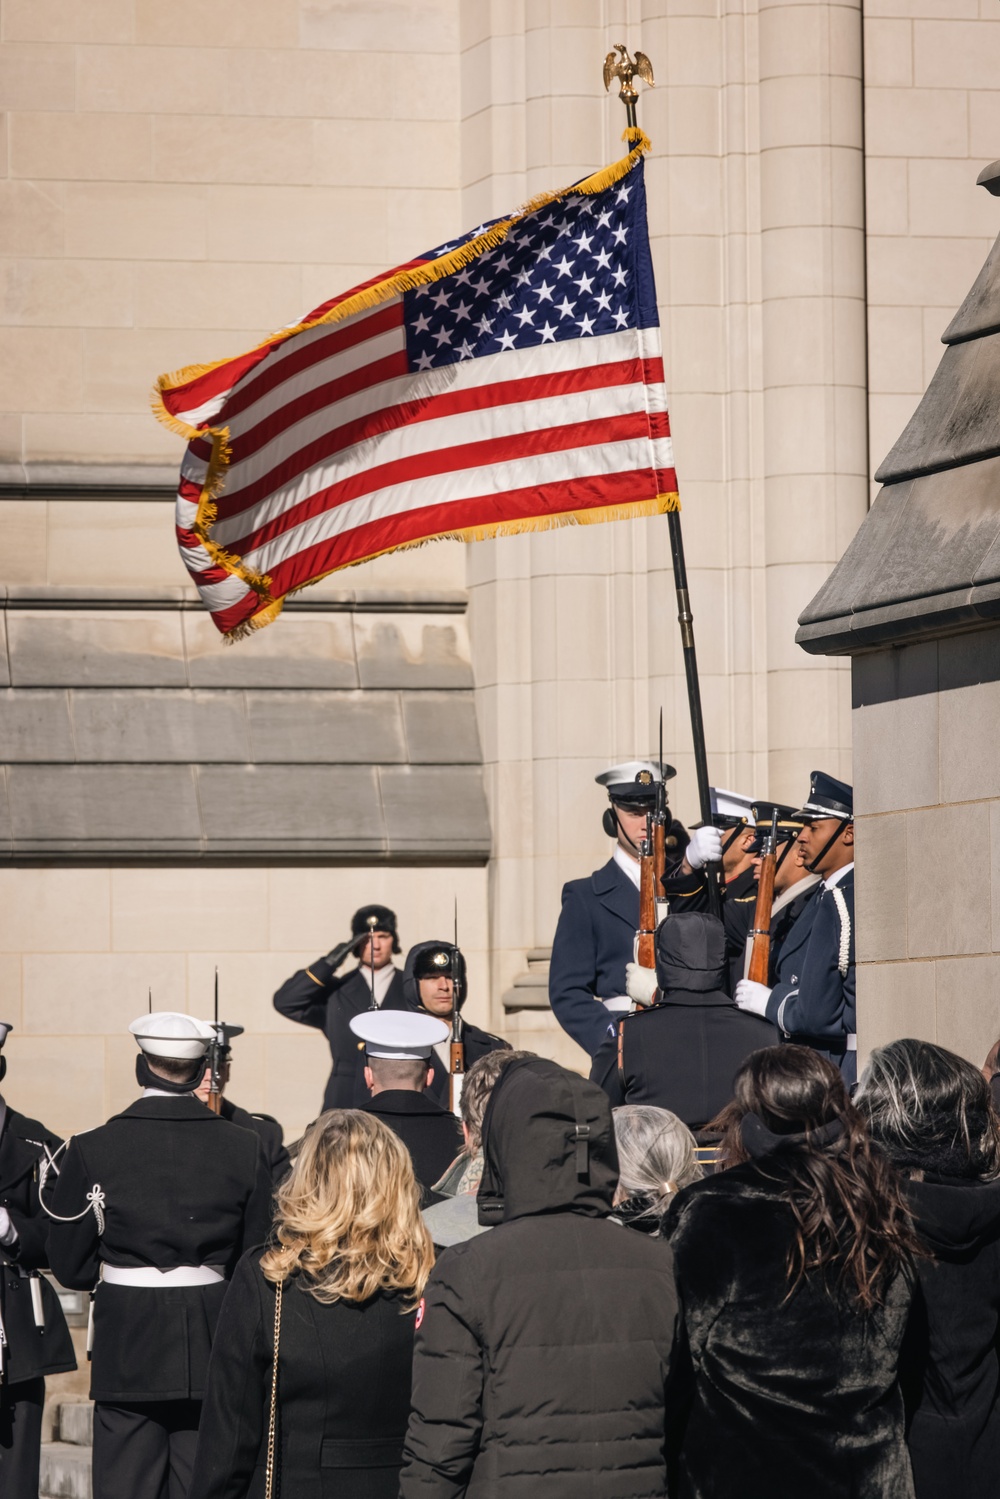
column 705, row 847
column 640, row 984
column 751, row 997
column 8, row 1233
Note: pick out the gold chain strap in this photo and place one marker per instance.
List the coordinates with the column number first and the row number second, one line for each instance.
column 272, row 1424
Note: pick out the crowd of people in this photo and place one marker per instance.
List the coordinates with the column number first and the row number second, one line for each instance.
column 717, row 1267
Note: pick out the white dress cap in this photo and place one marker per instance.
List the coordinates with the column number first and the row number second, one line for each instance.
column 399, row 1035
column 732, row 804
column 166, row 1033
column 628, row 772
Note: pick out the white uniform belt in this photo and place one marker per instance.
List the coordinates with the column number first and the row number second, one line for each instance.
column 852, row 1041
column 147, row 1276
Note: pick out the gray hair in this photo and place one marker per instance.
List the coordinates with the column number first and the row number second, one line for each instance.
column 656, row 1154
column 929, row 1108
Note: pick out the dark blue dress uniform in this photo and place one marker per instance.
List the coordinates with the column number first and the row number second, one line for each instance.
column 594, row 940
column 814, row 1000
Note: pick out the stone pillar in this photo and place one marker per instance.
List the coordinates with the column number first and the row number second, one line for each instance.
column 815, row 457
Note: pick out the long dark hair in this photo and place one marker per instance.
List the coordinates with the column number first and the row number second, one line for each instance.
column 791, row 1115
column 930, row 1110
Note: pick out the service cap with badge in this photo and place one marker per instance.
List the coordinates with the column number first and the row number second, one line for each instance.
column 399, row 1035
column 828, row 798
column 634, row 781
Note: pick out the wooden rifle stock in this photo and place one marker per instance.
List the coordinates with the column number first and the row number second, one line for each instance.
column 456, row 1069
column 646, row 950
column 760, row 934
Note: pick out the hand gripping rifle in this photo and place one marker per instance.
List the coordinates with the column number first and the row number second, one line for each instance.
column 760, row 932
column 645, row 954
column 456, row 1052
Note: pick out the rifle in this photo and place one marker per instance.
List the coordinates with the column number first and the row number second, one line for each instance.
column 760, row 932
column 660, row 819
column 214, row 1099
column 456, row 1055
column 646, row 946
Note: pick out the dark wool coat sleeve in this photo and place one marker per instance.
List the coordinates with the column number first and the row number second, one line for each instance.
column 304, row 996
column 237, row 1399
column 447, row 1402
column 74, row 1247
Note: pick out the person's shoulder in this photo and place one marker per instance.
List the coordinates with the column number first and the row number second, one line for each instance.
column 589, row 885
column 32, row 1131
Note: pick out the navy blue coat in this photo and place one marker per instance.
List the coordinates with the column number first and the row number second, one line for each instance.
column 812, row 1002
column 595, row 938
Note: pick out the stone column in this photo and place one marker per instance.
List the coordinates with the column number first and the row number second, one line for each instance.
column 815, row 456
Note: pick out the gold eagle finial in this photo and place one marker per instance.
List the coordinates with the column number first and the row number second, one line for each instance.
column 626, row 69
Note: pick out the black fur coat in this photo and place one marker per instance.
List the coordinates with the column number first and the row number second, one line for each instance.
column 789, row 1399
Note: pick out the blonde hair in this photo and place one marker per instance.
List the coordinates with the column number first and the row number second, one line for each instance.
column 656, row 1154
column 348, row 1219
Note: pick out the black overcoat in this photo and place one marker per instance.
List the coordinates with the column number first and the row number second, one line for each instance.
column 343, row 1394
column 542, row 1358
column 181, row 1187
column 316, row 996
column 430, row 1133
column 792, row 1398
column 30, row 1351
column 268, row 1131
column 950, row 1368
column 594, row 940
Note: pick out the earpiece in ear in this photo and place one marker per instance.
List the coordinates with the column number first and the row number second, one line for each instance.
column 609, row 823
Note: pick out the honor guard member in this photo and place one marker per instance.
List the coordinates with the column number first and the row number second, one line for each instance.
column 813, row 999
column 153, row 1209
column 315, row 996
column 264, row 1126
column 682, row 1051
column 399, row 1046
column 727, row 840
column 429, row 985
column 595, row 935
column 794, row 885
column 34, row 1338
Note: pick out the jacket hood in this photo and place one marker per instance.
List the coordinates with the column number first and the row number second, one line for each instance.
column 690, row 952
column 954, row 1216
column 411, row 989
column 548, row 1145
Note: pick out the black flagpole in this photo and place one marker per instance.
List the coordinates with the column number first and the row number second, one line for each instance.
column 626, row 70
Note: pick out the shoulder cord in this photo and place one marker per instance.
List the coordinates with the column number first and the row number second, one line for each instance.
column 843, row 962
column 273, row 1422
column 95, row 1197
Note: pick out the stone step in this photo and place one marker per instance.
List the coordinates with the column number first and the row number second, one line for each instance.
column 65, row 1472
column 76, row 1422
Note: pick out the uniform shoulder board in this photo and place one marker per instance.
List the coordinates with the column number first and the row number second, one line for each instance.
column 744, row 900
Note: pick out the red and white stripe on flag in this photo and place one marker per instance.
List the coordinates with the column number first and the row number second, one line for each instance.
column 510, row 381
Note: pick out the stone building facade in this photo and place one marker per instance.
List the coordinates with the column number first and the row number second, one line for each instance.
column 175, row 182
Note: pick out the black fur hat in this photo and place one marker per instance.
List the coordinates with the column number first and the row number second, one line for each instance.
column 385, row 921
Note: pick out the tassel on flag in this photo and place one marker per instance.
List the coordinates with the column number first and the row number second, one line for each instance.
column 510, row 381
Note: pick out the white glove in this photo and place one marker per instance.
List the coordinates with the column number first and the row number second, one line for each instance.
column 705, row 847
column 640, row 984
column 752, row 997
column 8, row 1233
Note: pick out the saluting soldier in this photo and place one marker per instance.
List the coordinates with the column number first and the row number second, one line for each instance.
column 398, row 1047
column 34, row 1338
column 316, row 996
column 153, row 1209
column 429, row 985
column 813, row 1000
column 682, row 1049
column 595, row 935
column 265, row 1126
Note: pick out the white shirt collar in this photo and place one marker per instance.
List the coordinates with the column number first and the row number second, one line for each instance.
column 159, row 1093
column 628, row 864
column 837, row 876
column 383, row 978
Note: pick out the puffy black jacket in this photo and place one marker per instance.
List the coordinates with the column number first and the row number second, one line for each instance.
column 542, row 1355
column 950, row 1368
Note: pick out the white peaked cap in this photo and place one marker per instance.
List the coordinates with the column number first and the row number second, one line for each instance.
column 628, row 771
column 5, row 1030
column 731, row 804
column 166, row 1033
column 399, row 1035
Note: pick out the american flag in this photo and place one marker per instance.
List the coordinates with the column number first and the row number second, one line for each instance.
column 510, row 380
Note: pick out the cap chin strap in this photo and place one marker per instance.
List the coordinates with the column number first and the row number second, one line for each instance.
column 784, row 853
column 829, row 844
column 147, row 1078
column 741, row 828
column 621, row 831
